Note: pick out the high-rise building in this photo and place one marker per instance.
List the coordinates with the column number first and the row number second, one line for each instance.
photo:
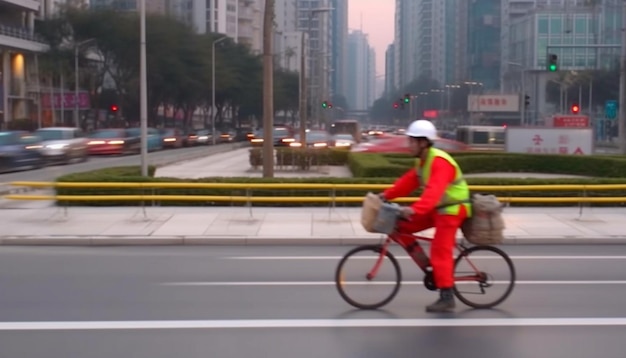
column 152, row 6
column 315, row 19
column 370, row 77
column 287, row 38
column 339, row 51
column 429, row 41
column 483, row 43
column 250, row 24
column 390, row 70
column 18, row 46
column 241, row 20
column 552, row 27
column 216, row 16
column 406, row 42
column 362, row 71
column 512, row 10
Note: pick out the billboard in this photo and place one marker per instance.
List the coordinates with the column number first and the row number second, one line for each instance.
column 68, row 99
column 493, row 103
column 549, row 140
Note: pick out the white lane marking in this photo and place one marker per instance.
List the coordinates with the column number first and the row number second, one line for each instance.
column 308, row 323
column 261, row 258
column 329, row 283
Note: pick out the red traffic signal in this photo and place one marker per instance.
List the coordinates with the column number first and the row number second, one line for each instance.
column 114, row 108
column 575, row 109
column 395, row 105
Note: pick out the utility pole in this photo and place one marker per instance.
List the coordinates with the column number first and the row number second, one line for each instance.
column 268, row 90
column 622, row 86
column 143, row 91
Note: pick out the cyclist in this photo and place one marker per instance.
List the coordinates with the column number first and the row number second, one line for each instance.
column 444, row 205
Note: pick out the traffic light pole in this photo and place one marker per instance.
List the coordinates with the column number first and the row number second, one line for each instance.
column 523, row 98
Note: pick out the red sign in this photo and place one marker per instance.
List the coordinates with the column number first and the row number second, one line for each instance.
column 431, row 113
column 571, row 121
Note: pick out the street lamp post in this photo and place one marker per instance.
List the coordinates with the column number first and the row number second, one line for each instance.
column 76, row 75
column 214, row 137
column 143, row 90
column 448, row 87
column 523, row 95
column 303, row 81
column 472, row 84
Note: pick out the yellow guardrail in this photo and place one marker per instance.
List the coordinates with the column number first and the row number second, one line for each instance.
column 331, row 198
column 290, row 199
column 309, row 186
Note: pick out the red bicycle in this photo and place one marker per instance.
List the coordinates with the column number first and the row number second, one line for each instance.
column 475, row 269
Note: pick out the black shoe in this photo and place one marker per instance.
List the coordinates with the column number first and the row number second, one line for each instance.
column 445, row 303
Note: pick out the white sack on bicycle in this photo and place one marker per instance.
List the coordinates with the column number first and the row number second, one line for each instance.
column 486, row 226
column 369, row 212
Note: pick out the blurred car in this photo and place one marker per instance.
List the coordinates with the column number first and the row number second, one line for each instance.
column 315, row 139
column 283, row 136
column 226, row 137
column 200, row 137
column 155, row 142
column 113, row 141
column 63, row 144
column 344, row 141
column 173, row 138
column 400, row 144
column 20, row 150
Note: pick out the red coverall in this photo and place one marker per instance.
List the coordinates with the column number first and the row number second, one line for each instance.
column 426, row 216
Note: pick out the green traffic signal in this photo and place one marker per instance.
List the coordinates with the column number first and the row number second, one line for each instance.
column 324, row 104
column 406, row 100
column 552, row 68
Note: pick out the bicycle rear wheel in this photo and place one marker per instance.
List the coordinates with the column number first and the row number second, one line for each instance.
column 366, row 279
column 484, row 276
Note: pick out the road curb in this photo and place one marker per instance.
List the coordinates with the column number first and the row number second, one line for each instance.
column 42, row 240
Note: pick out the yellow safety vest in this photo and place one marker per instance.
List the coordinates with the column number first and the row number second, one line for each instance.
column 456, row 194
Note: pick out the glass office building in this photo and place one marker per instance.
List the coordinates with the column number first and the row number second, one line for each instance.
column 568, row 35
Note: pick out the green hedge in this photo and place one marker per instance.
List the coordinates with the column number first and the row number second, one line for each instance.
column 371, row 168
column 379, row 165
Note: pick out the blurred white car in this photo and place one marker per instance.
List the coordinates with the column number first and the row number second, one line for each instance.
column 344, row 140
column 63, row 144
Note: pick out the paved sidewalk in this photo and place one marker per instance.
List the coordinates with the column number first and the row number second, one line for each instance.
column 288, row 226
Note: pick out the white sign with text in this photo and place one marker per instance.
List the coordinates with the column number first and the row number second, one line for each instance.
column 578, row 141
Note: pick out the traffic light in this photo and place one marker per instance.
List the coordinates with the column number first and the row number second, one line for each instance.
column 526, row 100
column 552, row 62
column 327, row 105
column 114, row 108
column 575, row 108
column 395, row 105
column 407, row 98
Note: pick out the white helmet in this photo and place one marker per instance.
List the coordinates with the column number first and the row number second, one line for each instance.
column 422, row 129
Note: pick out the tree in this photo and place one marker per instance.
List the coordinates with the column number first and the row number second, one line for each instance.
column 605, row 86
column 268, row 90
column 179, row 65
column 287, row 92
column 340, row 100
column 54, row 65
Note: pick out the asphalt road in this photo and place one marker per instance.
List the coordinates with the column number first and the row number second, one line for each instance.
column 281, row 302
column 97, row 162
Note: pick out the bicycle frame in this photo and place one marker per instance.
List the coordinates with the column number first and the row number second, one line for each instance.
column 459, row 246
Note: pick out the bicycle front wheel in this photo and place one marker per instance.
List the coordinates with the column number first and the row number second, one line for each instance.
column 484, row 276
column 367, row 279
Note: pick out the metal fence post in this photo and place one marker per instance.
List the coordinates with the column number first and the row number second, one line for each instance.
column 249, row 201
